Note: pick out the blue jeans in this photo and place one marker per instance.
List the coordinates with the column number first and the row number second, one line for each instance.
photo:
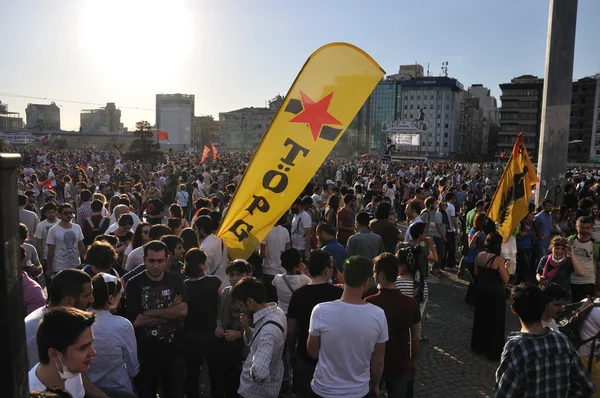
column 397, row 385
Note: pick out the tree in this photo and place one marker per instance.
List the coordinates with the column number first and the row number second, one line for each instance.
column 145, row 142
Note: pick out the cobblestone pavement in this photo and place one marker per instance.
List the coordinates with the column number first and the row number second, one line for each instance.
column 447, row 366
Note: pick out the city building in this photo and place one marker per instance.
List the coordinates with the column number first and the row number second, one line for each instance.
column 242, row 129
column 521, row 111
column 42, row 117
column 9, row 120
column 204, row 132
column 175, row 115
column 407, row 72
column 595, row 141
column 490, row 116
column 581, row 124
column 103, row 120
column 472, row 140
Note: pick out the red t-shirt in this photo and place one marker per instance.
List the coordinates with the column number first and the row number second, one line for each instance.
column 345, row 218
column 402, row 312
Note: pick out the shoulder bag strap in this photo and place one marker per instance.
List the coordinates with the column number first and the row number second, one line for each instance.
column 261, row 328
column 222, row 254
column 289, row 285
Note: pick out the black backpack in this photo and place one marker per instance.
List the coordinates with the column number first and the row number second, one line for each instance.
column 571, row 323
column 96, row 230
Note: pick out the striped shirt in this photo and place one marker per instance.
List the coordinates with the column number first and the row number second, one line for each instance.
column 406, row 286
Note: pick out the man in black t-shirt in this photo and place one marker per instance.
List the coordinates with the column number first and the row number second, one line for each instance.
column 304, row 299
column 155, row 208
column 156, row 306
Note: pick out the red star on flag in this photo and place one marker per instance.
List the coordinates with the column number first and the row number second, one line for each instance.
column 315, row 114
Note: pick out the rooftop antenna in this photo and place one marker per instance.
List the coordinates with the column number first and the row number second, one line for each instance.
column 427, row 69
column 445, row 69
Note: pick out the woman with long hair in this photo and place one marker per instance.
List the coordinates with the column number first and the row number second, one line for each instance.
column 558, row 266
column 331, row 209
column 114, row 201
column 140, row 238
column 491, row 274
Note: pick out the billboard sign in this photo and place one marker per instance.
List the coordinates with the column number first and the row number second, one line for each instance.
column 406, row 139
column 404, row 126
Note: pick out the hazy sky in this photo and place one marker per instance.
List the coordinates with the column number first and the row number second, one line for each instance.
column 237, row 53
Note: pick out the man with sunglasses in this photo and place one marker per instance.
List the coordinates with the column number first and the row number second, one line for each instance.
column 65, row 243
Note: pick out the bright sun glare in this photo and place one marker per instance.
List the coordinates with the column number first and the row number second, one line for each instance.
column 136, row 39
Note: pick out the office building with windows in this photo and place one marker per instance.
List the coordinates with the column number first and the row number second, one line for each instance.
column 9, row 120
column 103, row 120
column 43, row 117
column 243, row 129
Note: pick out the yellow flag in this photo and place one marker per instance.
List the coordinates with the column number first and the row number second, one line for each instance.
column 511, row 200
column 334, row 83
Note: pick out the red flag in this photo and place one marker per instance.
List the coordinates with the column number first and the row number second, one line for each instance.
column 46, row 183
column 162, row 135
column 215, row 153
column 205, row 154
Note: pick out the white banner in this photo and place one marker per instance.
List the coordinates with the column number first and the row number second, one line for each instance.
column 406, row 139
column 404, row 126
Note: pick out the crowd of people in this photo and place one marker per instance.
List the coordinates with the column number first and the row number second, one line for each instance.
column 129, row 291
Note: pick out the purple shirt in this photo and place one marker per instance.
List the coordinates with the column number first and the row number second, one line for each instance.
column 33, row 295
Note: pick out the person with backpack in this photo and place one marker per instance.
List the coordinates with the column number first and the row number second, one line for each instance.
column 560, row 264
column 537, row 361
column 587, row 251
column 96, row 224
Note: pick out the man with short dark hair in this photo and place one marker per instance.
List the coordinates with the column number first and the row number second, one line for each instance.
column 364, row 242
column 262, row 373
column 64, row 345
column 176, row 252
column 301, row 233
column 326, row 236
column 303, row 300
column 69, row 288
column 587, row 251
column 41, row 233
column 537, row 361
column 404, row 326
column 96, row 224
column 350, row 347
column 65, row 243
column 214, row 247
column 156, row 306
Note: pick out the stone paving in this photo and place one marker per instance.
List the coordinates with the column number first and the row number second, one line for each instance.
column 447, row 366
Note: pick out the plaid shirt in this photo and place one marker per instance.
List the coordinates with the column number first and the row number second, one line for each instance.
column 541, row 366
column 263, row 369
column 84, row 212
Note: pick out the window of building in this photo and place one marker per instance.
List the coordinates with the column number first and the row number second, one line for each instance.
column 411, row 106
column 447, row 106
column 431, row 106
column 446, row 116
column 439, row 116
column 406, row 98
column 432, row 96
column 445, row 144
column 405, row 106
column 445, row 125
column 418, row 97
column 445, row 135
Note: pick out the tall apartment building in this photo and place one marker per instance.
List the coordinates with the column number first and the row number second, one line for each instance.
column 595, row 141
column 104, row 120
column 521, row 111
column 43, row 117
column 581, row 124
column 205, row 132
column 175, row 115
column 472, row 139
column 242, row 129
column 9, row 120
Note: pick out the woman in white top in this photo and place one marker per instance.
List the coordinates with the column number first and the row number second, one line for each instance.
column 411, row 280
column 289, row 281
column 114, row 339
column 183, row 198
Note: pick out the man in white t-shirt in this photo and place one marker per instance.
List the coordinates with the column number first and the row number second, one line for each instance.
column 302, row 226
column 41, row 232
column 65, row 243
column 275, row 243
column 348, row 337
column 317, row 198
column 215, row 249
column 65, row 349
column 451, row 235
column 118, row 211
